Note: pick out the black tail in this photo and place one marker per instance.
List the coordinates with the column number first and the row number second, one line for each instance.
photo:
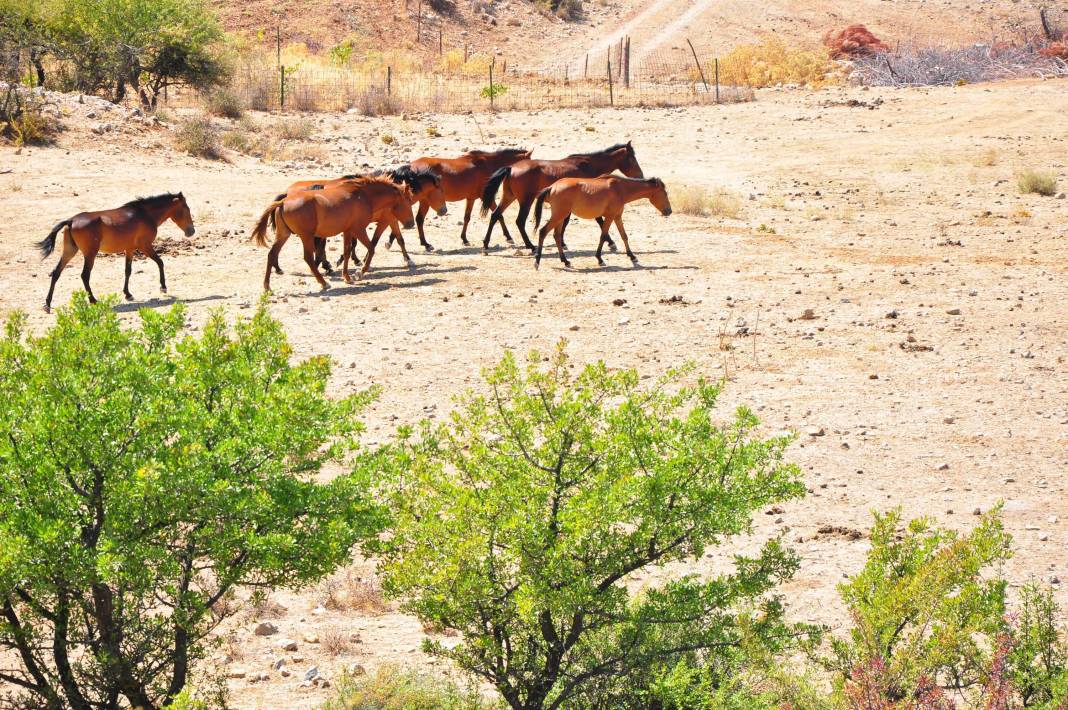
column 48, row 244
column 490, row 191
column 270, row 219
column 537, row 207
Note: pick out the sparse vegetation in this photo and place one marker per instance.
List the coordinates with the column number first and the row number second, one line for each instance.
column 225, row 103
column 773, row 62
column 388, row 138
column 295, row 129
column 335, row 640
column 347, row 590
column 698, row 201
column 395, row 688
column 198, row 137
column 1038, row 182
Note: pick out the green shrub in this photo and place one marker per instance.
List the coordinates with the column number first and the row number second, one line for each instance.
column 198, row 137
column 493, row 91
column 520, row 521
column 1037, row 182
column 394, row 688
column 143, row 477
column 1038, row 649
column 23, row 120
column 225, row 103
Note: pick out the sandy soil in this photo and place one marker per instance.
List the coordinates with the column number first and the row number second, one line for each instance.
column 929, row 372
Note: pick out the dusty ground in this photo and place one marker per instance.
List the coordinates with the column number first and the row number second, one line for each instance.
column 909, row 208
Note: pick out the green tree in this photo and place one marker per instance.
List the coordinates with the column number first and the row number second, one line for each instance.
column 1038, row 650
column 524, row 522
column 922, row 607
column 144, row 476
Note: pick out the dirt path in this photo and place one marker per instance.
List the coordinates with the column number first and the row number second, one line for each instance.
column 884, row 291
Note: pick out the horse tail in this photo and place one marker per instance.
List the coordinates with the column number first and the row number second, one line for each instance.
column 270, row 220
column 537, row 207
column 48, row 244
column 490, row 191
column 259, row 232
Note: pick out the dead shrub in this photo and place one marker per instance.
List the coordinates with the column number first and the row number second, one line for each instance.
column 24, row 119
column 225, row 103
column 774, row 62
column 345, row 590
column 295, row 129
column 335, row 641
column 198, row 137
column 852, row 41
column 374, row 101
column 1037, row 182
column 700, row 202
column 263, row 607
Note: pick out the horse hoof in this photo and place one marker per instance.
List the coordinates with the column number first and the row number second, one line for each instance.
column 600, row 262
column 47, row 309
column 567, row 264
column 485, row 251
column 428, row 247
column 163, row 289
column 537, row 266
column 325, row 287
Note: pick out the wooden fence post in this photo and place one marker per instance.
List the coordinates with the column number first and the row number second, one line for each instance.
column 389, row 81
column 441, row 40
column 698, row 63
column 586, row 70
column 419, row 23
column 491, row 92
column 717, row 80
column 626, row 64
column 611, row 98
column 281, row 86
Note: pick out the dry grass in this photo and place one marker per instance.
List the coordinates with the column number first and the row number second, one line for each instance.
column 1038, row 182
column 197, row 137
column 700, row 202
column 774, row 62
column 986, row 159
column 225, row 103
column 297, row 129
column 335, row 641
column 263, row 607
column 396, row 688
column 346, row 590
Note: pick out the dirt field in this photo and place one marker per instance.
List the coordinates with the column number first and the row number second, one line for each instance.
column 885, row 291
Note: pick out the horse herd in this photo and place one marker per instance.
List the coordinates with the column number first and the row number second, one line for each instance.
column 582, row 185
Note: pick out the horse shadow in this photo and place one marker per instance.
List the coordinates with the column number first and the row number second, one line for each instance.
column 158, row 302
column 365, row 287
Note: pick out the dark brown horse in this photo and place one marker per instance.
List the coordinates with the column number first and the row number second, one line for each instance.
column 602, row 198
column 464, row 178
column 346, row 208
column 129, row 228
column 525, row 179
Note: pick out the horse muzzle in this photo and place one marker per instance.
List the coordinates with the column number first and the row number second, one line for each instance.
column 443, row 211
column 190, row 231
column 667, row 212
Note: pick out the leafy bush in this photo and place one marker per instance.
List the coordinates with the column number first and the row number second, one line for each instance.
column 774, row 62
column 493, row 91
column 198, row 137
column 225, row 103
column 1037, row 650
column 520, row 522
column 393, row 688
column 23, row 119
column 143, row 477
column 1037, row 182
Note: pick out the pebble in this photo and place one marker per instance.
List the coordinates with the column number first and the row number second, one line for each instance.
column 287, row 644
column 815, row 431
column 265, row 628
column 953, row 311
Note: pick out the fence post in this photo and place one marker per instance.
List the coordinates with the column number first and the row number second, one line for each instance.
column 277, row 46
column 441, row 40
column 626, row 64
column 611, row 98
column 586, row 70
column 698, row 63
column 419, row 23
column 281, row 86
column 717, row 79
column 389, row 81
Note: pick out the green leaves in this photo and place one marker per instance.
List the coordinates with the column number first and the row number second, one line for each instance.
column 142, row 470
column 521, row 521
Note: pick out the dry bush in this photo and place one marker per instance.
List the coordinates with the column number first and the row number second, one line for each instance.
column 939, row 66
column 225, row 607
column 568, row 10
column 295, row 129
column 700, row 202
column 988, row 158
column 303, row 97
column 198, row 137
column 335, row 641
column 263, row 607
column 852, row 41
column 24, row 119
column 374, row 101
column 346, row 590
column 774, row 62
column 395, row 688
column 1037, row 182
column 225, row 103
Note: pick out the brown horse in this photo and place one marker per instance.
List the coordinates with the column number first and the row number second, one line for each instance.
column 129, row 228
column 346, row 208
column 464, row 178
column 425, row 187
column 525, row 179
column 602, row 198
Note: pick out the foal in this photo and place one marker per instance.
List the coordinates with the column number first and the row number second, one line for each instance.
column 601, row 198
column 129, row 228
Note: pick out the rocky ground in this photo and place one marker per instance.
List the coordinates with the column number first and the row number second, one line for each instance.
column 884, row 290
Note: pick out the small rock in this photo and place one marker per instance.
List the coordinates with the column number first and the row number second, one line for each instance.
column 623, row 321
column 1053, row 519
column 287, row 644
column 236, row 674
column 944, row 467
column 953, row 311
column 949, row 420
column 322, row 609
column 815, row 431
column 265, row 628
column 357, row 670
column 977, row 511
column 809, row 314
column 1043, row 537
column 1060, row 195
column 285, row 673
column 312, row 673
column 311, row 638
column 279, row 664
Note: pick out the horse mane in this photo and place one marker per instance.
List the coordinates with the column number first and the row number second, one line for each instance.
column 154, row 200
column 653, row 181
column 505, row 151
column 407, row 175
column 610, row 149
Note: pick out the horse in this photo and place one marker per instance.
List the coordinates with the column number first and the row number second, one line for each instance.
column 346, row 208
column 425, row 187
column 602, row 197
column 464, row 178
column 129, row 228
column 525, row 179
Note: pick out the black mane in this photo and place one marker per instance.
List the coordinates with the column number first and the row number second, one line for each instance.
column 610, row 149
column 154, row 200
column 409, row 176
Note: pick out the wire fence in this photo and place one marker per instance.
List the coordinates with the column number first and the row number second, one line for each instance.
column 606, row 80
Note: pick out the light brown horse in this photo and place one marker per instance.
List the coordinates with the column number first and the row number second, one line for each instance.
column 346, row 208
column 602, row 198
column 525, row 179
column 129, row 228
column 464, row 178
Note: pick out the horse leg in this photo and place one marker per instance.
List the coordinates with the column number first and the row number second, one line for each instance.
column 604, row 235
column 126, row 280
column 346, row 247
column 320, row 255
column 467, row 218
column 550, row 224
column 497, row 216
column 558, row 235
column 69, row 250
column 282, row 234
column 420, row 217
column 352, row 255
column 567, row 221
column 604, row 239
column 361, row 235
column 150, row 252
column 521, row 222
column 309, row 258
column 504, row 227
column 395, row 233
column 626, row 244
column 87, row 268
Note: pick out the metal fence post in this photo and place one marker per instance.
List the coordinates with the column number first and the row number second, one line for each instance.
column 491, row 92
column 389, row 81
column 281, row 86
column 717, row 80
column 611, row 98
